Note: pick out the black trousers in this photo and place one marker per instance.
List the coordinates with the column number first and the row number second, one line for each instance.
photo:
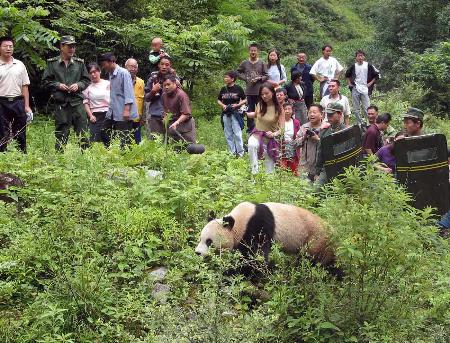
column 117, row 129
column 252, row 100
column 97, row 127
column 67, row 116
column 309, row 101
column 13, row 124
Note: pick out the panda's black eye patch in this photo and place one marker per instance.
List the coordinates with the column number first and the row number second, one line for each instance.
column 208, row 242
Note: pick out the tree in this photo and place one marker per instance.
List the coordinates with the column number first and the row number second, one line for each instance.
column 411, row 24
column 432, row 68
column 185, row 11
column 197, row 50
column 32, row 39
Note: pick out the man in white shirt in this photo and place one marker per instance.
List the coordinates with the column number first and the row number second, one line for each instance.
column 325, row 69
column 14, row 97
column 361, row 78
column 335, row 96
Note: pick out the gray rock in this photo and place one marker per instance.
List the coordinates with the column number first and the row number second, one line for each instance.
column 160, row 292
column 159, row 273
column 229, row 313
column 154, row 174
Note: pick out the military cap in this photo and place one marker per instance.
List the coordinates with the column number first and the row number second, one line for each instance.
column 68, row 40
column 334, row 107
column 413, row 113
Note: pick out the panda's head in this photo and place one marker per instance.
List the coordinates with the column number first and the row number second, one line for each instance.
column 217, row 233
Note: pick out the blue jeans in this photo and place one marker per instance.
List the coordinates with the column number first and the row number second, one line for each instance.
column 136, row 127
column 233, row 134
column 445, row 221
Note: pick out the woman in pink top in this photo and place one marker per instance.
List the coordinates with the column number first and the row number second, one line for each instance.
column 96, row 102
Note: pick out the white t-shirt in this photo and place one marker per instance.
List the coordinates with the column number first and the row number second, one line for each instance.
column 274, row 73
column 361, row 77
column 342, row 99
column 326, row 67
column 12, row 77
column 289, row 130
column 97, row 96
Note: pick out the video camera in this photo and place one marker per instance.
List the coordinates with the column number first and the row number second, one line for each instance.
column 311, row 132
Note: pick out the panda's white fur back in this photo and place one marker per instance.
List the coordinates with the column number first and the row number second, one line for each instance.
column 297, row 227
column 294, row 228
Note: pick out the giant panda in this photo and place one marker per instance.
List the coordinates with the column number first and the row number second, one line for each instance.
column 251, row 228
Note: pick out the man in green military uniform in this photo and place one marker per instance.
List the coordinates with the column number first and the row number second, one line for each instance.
column 413, row 122
column 66, row 77
column 334, row 114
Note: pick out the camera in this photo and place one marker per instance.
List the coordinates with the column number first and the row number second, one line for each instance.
column 311, row 132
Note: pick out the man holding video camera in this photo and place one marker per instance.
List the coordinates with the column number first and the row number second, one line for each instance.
column 309, row 138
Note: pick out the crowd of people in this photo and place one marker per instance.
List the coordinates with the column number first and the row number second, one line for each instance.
column 83, row 101
column 285, row 126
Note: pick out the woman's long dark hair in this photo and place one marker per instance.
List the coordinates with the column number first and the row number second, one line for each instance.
column 278, row 62
column 263, row 104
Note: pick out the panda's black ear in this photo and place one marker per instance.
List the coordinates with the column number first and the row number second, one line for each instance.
column 211, row 215
column 228, row 222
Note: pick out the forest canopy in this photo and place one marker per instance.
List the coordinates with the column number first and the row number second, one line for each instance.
column 206, row 36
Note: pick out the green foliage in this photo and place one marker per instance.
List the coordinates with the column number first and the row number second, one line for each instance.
column 432, row 68
column 23, row 23
column 78, row 247
column 412, row 25
column 199, row 48
column 313, row 24
column 404, row 30
column 185, row 11
column 252, row 16
column 207, row 47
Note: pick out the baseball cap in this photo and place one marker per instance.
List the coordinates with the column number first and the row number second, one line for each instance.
column 68, row 40
column 334, row 107
column 413, row 113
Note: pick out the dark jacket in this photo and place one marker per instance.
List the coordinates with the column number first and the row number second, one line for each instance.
column 372, row 73
column 307, row 78
column 292, row 92
column 57, row 72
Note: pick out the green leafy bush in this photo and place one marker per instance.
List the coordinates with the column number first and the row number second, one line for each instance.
column 78, row 249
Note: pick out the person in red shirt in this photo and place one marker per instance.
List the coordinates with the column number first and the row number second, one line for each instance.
column 177, row 103
column 372, row 139
column 290, row 144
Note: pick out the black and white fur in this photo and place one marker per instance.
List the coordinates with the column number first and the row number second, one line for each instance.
column 252, row 228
